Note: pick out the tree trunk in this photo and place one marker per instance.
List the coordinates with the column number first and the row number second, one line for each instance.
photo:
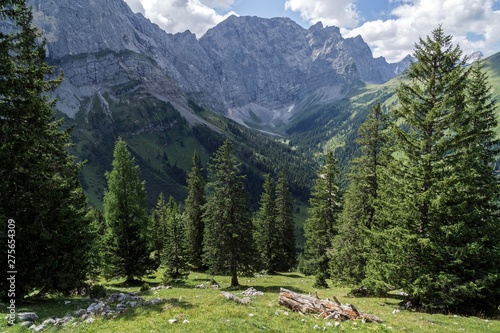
column 234, row 273
column 234, row 279
column 324, row 308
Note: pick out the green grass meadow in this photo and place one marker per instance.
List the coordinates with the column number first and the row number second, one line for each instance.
column 206, row 310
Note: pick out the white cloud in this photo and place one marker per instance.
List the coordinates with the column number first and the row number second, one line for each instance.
column 180, row 15
column 395, row 38
column 341, row 13
column 217, row 3
column 392, row 38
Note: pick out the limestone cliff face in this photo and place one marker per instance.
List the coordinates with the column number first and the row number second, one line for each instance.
column 254, row 70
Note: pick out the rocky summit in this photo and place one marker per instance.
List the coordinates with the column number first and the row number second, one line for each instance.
column 253, row 70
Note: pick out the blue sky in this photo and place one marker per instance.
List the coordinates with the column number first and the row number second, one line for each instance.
column 390, row 27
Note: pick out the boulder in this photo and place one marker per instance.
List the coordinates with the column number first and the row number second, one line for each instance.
column 27, row 316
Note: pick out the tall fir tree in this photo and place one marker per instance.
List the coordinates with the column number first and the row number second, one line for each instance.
column 195, row 201
column 325, row 206
column 39, row 187
column 469, row 212
column 439, row 200
column 159, row 219
column 267, row 238
column 127, row 246
column 97, row 256
column 352, row 244
column 228, row 242
column 285, row 224
column 175, row 253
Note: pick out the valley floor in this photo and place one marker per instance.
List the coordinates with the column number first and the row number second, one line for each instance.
column 206, row 310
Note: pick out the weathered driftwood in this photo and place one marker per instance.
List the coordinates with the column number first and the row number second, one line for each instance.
column 322, row 307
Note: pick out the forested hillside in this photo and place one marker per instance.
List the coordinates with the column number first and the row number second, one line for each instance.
column 163, row 142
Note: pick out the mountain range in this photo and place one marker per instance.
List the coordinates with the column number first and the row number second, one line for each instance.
column 241, row 67
column 168, row 94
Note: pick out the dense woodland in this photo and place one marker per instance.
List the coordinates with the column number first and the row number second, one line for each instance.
column 420, row 213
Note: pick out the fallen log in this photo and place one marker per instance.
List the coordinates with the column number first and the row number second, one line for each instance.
column 322, row 307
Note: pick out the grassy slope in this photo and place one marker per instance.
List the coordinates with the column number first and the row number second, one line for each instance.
column 207, row 311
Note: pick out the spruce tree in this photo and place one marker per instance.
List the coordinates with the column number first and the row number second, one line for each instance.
column 175, row 254
column 325, row 205
column 39, row 187
column 97, row 256
column 228, row 242
column 267, row 237
column 158, row 226
column 195, row 201
column 285, row 225
column 469, row 231
column 351, row 245
column 439, row 200
column 126, row 218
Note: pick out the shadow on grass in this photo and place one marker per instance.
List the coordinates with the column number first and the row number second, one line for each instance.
column 289, row 275
column 132, row 284
column 264, row 289
column 131, row 313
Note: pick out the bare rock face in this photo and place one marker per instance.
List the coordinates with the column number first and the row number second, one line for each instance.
column 254, row 70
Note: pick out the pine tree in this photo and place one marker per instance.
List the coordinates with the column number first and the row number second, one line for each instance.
column 228, row 242
column 98, row 230
column 468, row 214
column 351, row 245
column 325, row 205
column 285, row 225
column 175, row 254
column 194, row 210
column 39, row 187
column 126, row 218
column 439, row 200
column 266, row 232
column 158, row 223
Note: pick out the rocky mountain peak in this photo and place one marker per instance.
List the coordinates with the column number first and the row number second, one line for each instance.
column 248, row 68
column 475, row 56
column 88, row 26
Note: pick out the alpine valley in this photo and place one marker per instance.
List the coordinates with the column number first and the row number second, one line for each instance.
column 282, row 93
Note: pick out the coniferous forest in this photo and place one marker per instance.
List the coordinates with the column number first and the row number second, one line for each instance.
column 417, row 210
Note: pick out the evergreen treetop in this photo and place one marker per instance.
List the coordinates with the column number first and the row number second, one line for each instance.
column 195, row 201
column 266, row 236
column 228, row 242
column 353, row 244
column 175, row 253
column 285, row 224
column 126, row 218
column 325, row 205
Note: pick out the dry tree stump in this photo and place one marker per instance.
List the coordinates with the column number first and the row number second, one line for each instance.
column 324, row 308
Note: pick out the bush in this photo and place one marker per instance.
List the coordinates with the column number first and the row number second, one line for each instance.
column 145, row 287
column 97, row 291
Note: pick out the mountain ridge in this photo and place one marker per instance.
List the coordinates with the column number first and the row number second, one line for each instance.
column 246, row 68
